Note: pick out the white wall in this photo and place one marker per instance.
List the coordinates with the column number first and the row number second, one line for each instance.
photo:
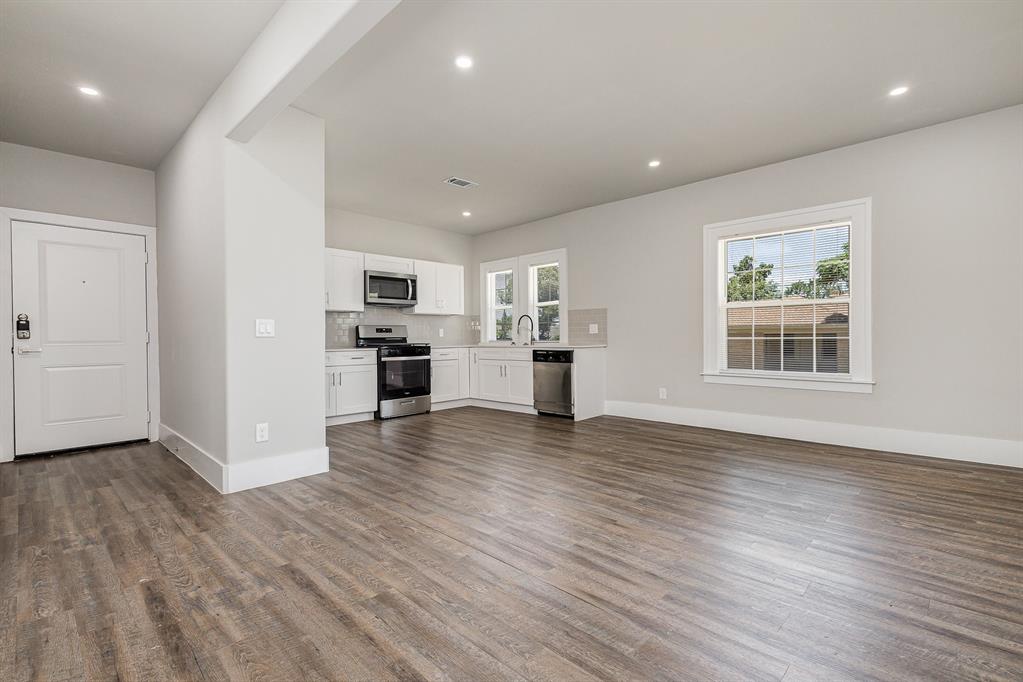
column 947, row 298
column 275, row 233
column 241, row 235
column 41, row 180
column 192, row 291
column 360, row 232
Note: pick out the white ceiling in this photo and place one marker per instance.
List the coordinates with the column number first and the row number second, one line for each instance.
column 155, row 63
column 569, row 100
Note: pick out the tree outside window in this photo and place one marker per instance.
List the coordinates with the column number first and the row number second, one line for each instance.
column 546, row 286
column 502, row 302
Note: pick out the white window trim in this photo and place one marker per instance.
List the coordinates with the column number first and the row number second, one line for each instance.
column 486, row 323
column 860, row 377
column 521, row 305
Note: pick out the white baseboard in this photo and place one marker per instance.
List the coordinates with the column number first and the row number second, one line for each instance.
column 277, row 469
column 448, row 404
column 929, row 444
column 350, row 418
column 489, row 404
column 245, row 475
column 211, row 469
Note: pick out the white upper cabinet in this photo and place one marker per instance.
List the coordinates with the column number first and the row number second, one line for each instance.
column 441, row 288
column 380, row 263
column 344, row 280
column 426, row 281
column 451, row 288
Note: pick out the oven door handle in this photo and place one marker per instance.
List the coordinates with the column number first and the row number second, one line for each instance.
column 408, row 358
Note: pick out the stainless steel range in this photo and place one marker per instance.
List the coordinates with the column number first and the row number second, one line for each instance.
column 403, row 369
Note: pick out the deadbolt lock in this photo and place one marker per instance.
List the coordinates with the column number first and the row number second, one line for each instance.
column 22, row 327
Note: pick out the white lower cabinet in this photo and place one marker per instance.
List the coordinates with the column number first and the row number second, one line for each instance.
column 493, row 384
column 520, row 381
column 450, row 374
column 350, row 383
column 358, row 387
column 444, row 384
column 502, row 375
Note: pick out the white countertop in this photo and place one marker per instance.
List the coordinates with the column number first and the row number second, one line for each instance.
column 539, row 346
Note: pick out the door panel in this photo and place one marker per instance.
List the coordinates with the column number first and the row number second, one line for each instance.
column 81, row 294
column 520, row 382
column 445, row 380
column 449, row 289
column 376, row 261
column 105, row 385
column 344, row 271
column 358, row 389
column 426, row 278
column 82, row 377
column 493, row 384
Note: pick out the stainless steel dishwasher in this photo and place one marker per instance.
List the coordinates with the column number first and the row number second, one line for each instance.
column 552, row 382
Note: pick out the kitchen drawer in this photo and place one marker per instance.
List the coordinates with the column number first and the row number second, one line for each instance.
column 341, row 358
column 523, row 354
column 444, row 353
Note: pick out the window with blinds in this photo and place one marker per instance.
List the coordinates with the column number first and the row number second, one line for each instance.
column 786, row 301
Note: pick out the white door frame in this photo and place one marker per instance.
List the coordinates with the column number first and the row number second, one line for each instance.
column 7, row 216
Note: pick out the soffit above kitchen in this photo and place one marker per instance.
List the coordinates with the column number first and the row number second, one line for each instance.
column 152, row 66
column 567, row 103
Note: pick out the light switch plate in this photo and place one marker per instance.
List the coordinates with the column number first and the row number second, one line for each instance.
column 594, row 329
column 262, row 432
column 662, row 393
column 441, row 332
column 265, row 328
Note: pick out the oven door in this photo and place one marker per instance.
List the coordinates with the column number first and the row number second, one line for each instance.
column 390, row 288
column 404, row 377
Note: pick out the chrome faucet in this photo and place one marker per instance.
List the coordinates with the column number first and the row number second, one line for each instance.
column 518, row 329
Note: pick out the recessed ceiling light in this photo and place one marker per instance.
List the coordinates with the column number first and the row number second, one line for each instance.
column 463, row 62
column 895, row 92
column 654, row 164
column 466, row 214
column 86, row 90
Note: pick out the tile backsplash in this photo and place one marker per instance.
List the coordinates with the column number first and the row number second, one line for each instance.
column 458, row 329
column 579, row 321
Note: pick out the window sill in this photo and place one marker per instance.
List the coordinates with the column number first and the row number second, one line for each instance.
column 805, row 383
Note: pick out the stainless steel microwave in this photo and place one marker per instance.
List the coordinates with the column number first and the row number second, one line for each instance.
column 390, row 288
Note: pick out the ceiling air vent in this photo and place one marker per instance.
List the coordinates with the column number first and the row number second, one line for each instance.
column 461, row 182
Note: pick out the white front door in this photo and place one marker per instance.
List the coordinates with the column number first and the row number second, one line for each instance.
column 81, row 377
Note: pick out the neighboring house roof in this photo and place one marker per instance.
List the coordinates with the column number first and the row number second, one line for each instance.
column 831, row 314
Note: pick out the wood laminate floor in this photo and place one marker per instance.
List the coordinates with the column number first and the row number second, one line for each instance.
column 474, row 544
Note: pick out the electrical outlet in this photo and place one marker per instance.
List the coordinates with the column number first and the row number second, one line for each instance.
column 662, row 393
column 262, row 432
column 441, row 332
column 265, row 328
column 594, row 329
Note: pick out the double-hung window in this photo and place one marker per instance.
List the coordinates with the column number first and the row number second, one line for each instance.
column 499, row 302
column 533, row 285
column 787, row 299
